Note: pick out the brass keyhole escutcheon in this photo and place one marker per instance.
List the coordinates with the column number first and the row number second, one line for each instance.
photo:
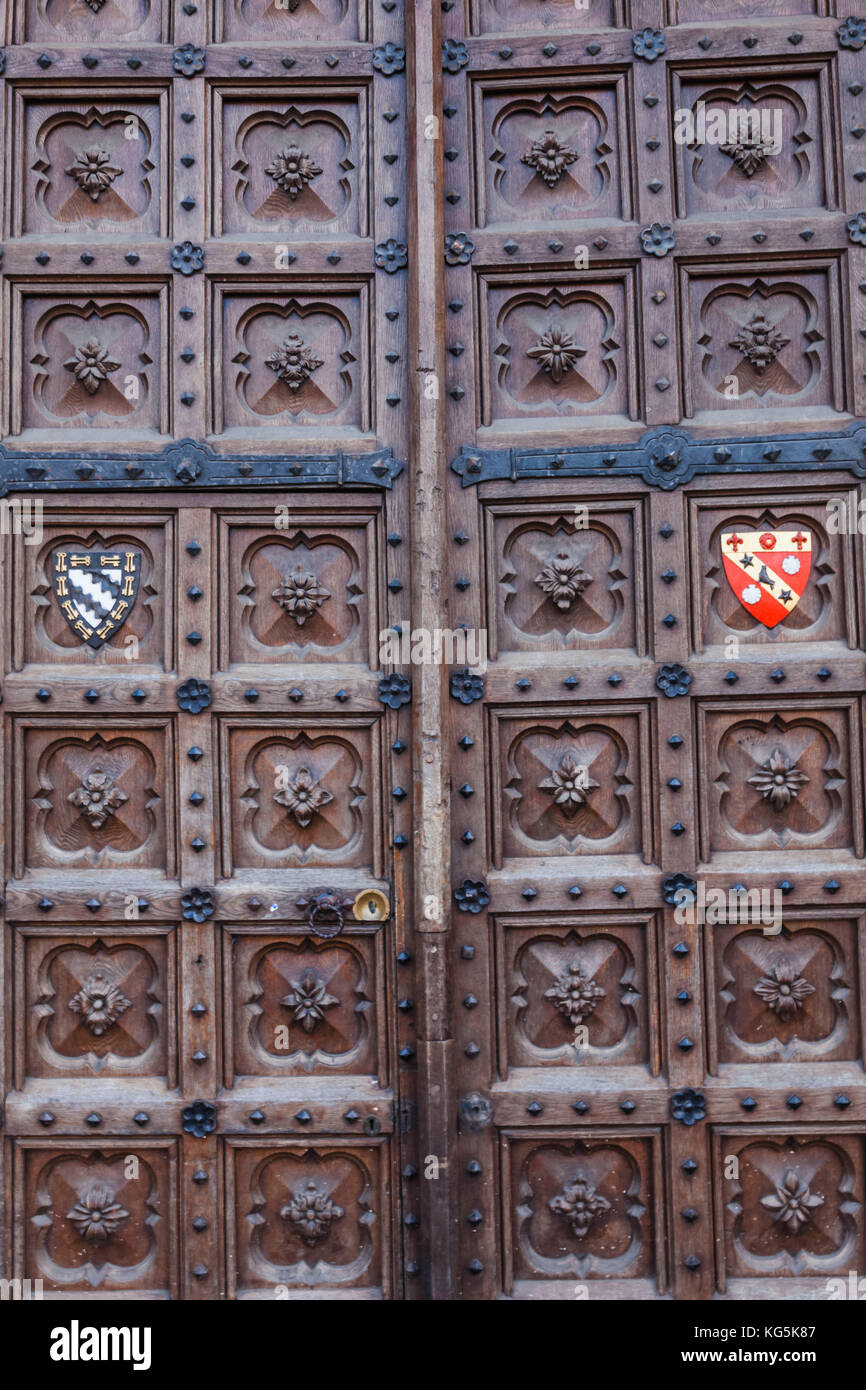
column 371, row 905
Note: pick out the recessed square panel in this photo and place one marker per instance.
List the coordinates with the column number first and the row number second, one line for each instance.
column 96, row 1005
column 577, row 990
column 302, row 1005
column 540, row 16
column 305, row 591
column 570, row 782
column 308, row 1214
column 289, row 21
column 292, row 361
column 301, row 792
column 566, row 578
column 90, row 22
column 90, row 362
column 293, row 163
column 557, row 350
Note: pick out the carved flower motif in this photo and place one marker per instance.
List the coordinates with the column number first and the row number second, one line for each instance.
column 856, row 226
column 792, row 1203
column 673, row 679
column 649, row 44
column 688, row 1106
column 658, row 239
column 96, row 1215
column 308, row 999
column 579, row 1204
column 852, row 33
column 395, row 690
column 199, row 1118
column 563, row 579
column 391, row 256
column 94, row 172
column 569, row 784
column 91, row 365
column 575, row 994
column 748, row 148
column 783, row 989
column 312, row 1213
column 197, row 905
column 556, row 353
column 187, row 258
column 778, row 780
column 760, row 342
column 293, row 362
column 300, row 595
column 97, row 797
column 189, row 60
column 455, row 55
column 388, row 59
column 458, row 248
column 100, row 1003
column 472, row 895
column 466, row 686
column 304, row 797
column 193, row 695
column 292, row 170
column 549, row 157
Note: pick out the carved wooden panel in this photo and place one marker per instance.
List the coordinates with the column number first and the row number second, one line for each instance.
column 299, row 588
column 301, row 793
column 550, row 153
column 291, row 165
column 558, row 349
column 763, row 339
column 91, row 361
column 695, row 11
column 793, row 996
column 285, row 363
column 568, row 782
column 301, row 1005
column 505, row 16
column 91, row 165
column 581, row 1208
column 298, row 21
column 43, row 636
column 88, row 1226
column 307, row 1216
column 795, row 1207
column 99, row 796
column 565, row 579
column 100, row 1005
column 789, row 162
column 577, row 990
column 780, row 775
column 79, row 21
column 827, row 611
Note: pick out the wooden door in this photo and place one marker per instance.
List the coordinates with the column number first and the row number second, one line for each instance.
column 653, row 346
column 209, row 1039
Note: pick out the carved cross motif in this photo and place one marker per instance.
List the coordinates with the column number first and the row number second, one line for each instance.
column 312, row 1213
column 563, row 580
column 792, row 1203
column 760, row 342
column 556, row 353
column 97, row 1216
column 783, row 989
column 304, row 797
column 579, row 1205
column 91, row 365
column 308, row 999
column 300, row 595
column 97, row 797
column 92, row 169
column 748, row 148
column 293, row 362
column 778, row 780
column 549, row 157
column 569, row 784
column 100, row 1003
column 574, row 994
column 292, row 171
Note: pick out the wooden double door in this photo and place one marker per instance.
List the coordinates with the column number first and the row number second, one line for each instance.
column 337, row 337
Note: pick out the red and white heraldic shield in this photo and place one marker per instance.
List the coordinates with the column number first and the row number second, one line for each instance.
column 768, row 570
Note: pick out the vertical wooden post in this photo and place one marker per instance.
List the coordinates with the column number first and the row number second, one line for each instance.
column 429, row 680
